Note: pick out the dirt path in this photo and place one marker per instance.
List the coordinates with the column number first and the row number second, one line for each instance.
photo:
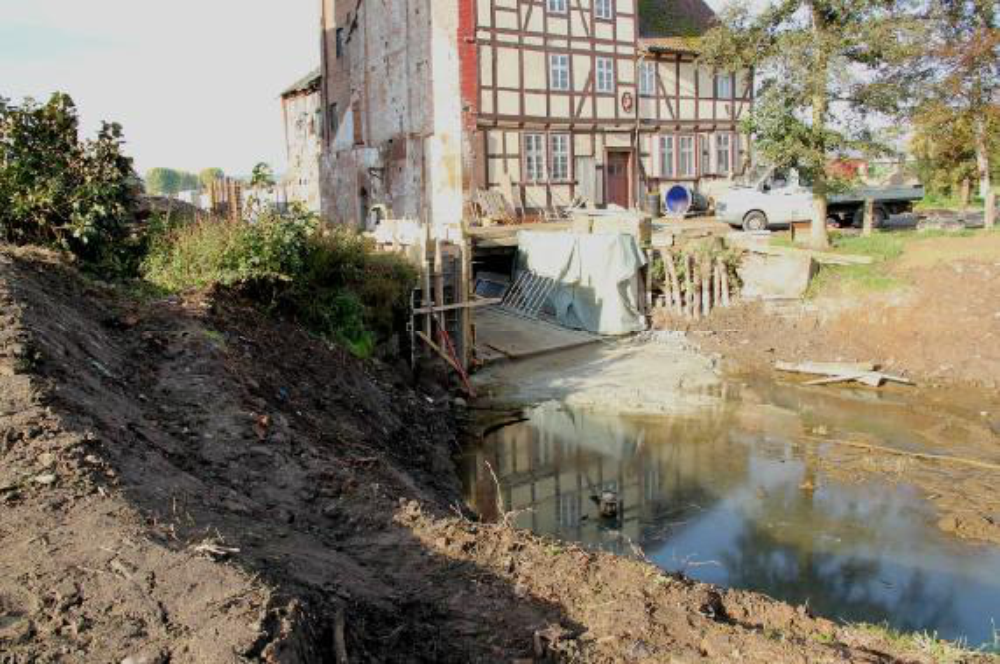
column 187, row 481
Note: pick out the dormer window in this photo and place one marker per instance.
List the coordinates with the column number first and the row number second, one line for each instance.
column 556, row 6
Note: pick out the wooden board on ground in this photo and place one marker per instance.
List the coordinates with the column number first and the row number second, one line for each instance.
column 832, row 373
column 501, row 335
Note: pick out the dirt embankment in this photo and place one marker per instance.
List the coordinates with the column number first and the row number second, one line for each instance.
column 187, row 481
column 940, row 326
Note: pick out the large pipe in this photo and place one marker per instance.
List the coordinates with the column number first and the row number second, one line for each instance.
column 680, row 199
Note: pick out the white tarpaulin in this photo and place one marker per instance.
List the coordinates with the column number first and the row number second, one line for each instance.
column 597, row 277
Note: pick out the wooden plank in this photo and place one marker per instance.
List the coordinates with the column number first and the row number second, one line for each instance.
column 475, row 304
column 825, row 368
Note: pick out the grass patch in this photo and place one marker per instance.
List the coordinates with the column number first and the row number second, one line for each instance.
column 853, row 279
column 926, row 643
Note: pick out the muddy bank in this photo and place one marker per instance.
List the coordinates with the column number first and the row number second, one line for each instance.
column 940, row 327
column 186, row 480
column 655, row 373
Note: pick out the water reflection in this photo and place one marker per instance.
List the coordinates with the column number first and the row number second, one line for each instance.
column 732, row 501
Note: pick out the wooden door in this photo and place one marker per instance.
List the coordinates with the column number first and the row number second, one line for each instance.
column 617, row 169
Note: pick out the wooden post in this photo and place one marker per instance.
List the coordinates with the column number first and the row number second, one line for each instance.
column 426, row 274
column 990, row 219
column 869, row 222
column 650, row 257
column 725, row 285
column 465, row 295
column 677, row 297
column 689, row 286
column 439, row 283
column 706, row 289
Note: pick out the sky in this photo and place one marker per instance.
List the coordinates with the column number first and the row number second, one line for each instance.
column 195, row 83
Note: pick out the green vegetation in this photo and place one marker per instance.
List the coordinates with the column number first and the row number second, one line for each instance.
column 80, row 196
column 330, row 281
column 167, row 181
column 925, row 643
column 209, row 175
column 58, row 190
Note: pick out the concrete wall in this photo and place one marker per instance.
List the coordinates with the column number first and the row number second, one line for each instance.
column 303, row 114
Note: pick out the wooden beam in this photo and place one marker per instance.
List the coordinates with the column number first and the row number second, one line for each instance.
column 475, row 304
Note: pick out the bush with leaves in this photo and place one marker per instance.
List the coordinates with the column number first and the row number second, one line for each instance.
column 330, row 280
column 61, row 191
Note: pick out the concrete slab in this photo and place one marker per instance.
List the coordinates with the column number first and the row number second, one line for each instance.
column 501, row 335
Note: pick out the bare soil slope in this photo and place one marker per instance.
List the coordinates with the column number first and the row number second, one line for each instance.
column 941, row 327
column 187, row 481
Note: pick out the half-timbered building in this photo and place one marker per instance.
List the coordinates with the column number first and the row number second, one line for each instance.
column 549, row 101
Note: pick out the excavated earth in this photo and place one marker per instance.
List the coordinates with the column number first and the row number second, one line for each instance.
column 186, row 480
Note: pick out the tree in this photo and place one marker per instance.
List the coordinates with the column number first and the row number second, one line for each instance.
column 952, row 72
column 168, row 182
column 262, row 176
column 163, row 181
column 210, row 175
column 59, row 190
column 943, row 144
column 810, row 56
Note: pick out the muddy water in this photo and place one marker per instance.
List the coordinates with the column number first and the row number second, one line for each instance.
column 739, row 496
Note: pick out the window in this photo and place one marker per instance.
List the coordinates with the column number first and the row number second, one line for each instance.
column 666, row 156
column 647, row 79
column 534, row 157
column 557, row 6
column 559, row 72
column 334, row 120
column 723, row 86
column 340, row 43
column 724, row 153
column 559, row 147
column 605, row 75
column 705, row 145
column 685, row 157
column 604, row 9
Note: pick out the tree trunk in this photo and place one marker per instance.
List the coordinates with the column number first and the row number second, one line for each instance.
column 869, row 221
column 964, row 196
column 819, row 238
column 985, row 184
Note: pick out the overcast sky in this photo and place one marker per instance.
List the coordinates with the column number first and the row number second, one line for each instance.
column 195, row 83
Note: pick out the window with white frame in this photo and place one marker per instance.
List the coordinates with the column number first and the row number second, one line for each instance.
column 724, row 153
column 557, row 6
column 647, row 78
column 534, row 157
column 605, row 75
column 604, row 9
column 559, row 150
column 559, row 71
column 724, row 86
column 666, row 156
column 685, row 156
column 705, row 145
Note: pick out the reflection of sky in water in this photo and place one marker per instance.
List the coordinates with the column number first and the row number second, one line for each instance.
column 731, row 507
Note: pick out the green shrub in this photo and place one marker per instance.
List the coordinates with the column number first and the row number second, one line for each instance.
column 329, row 280
column 57, row 190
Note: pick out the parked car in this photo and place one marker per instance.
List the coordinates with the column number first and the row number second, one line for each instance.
column 767, row 198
